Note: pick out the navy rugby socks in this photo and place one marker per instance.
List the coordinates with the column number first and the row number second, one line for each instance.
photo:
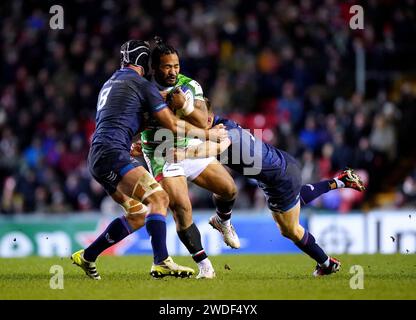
column 156, row 227
column 308, row 245
column 310, row 192
column 117, row 230
column 191, row 238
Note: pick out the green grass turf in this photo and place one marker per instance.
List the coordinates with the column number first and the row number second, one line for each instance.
column 251, row 277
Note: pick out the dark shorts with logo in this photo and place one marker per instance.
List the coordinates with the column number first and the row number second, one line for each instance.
column 283, row 193
column 109, row 166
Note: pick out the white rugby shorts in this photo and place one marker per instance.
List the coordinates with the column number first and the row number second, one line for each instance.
column 190, row 168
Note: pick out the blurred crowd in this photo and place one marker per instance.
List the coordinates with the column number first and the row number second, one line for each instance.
column 286, row 67
column 406, row 192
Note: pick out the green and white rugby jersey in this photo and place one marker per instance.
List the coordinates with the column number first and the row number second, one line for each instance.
column 193, row 91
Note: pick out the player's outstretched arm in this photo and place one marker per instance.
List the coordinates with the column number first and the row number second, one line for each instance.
column 180, row 127
column 205, row 149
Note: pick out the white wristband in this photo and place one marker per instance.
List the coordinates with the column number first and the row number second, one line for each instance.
column 188, row 107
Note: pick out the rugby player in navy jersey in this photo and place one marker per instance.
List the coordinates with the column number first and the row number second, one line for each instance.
column 124, row 101
column 278, row 175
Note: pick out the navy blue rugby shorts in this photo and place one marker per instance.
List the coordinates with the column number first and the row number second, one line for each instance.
column 283, row 193
column 109, row 166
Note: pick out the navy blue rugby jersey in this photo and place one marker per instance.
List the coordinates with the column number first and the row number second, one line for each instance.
column 122, row 104
column 249, row 155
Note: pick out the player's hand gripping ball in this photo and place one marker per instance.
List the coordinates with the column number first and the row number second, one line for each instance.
column 176, row 99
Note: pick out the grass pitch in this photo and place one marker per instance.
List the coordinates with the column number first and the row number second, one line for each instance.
column 251, row 277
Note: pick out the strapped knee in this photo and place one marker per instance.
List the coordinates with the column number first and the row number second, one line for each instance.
column 133, row 207
column 148, row 184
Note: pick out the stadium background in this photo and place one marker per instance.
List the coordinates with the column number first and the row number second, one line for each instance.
column 329, row 95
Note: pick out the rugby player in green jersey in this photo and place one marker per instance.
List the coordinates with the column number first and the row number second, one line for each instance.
column 207, row 173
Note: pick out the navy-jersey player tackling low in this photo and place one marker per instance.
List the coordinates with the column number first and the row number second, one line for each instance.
column 275, row 170
column 279, row 175
column 122, row 103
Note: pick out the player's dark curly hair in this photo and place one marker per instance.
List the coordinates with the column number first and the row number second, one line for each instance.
column 160, row 50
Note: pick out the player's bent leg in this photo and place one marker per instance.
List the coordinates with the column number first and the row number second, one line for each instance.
column 135, row 213
column 288, row 223
column 140, row 185
column 116, row 231
column 188, row 233
column 311, row 191
column 224, row 194
column 156, row 225
column 143, row 187
column 179, row 203
column 209, row 179
column 346, row 179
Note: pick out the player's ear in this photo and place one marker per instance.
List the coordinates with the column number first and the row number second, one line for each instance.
column 209, row 123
